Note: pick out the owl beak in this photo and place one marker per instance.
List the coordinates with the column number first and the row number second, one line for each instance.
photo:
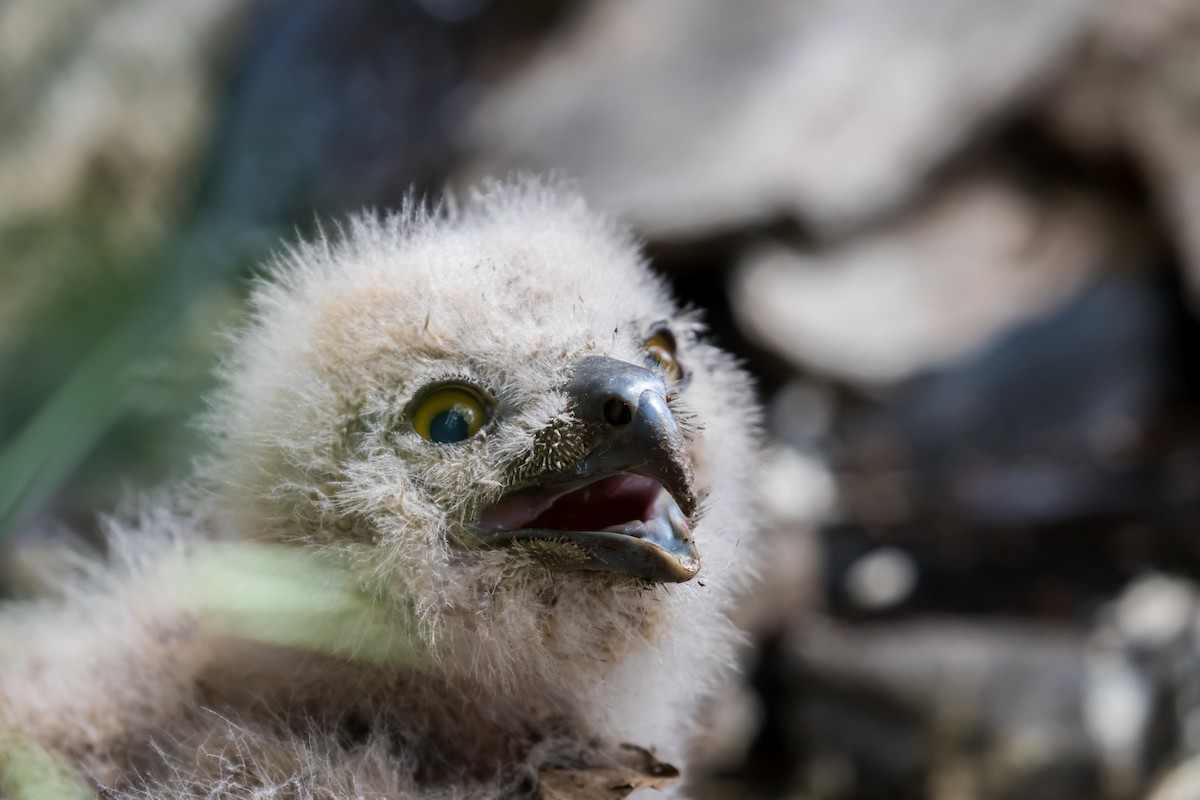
column 627, row 505
column 637, row 433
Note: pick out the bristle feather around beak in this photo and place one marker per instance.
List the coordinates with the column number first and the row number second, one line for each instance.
column 626, row 502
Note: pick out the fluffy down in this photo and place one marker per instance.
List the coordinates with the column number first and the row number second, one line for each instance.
column 143, row 678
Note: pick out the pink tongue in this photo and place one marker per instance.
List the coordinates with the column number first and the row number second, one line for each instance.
column 594, row 507
column 515, row 510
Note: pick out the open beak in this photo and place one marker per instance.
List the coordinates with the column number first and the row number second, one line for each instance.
column 627, row 505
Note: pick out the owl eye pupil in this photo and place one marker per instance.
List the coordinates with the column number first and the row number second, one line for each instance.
column 451, row 425
column 449, row 414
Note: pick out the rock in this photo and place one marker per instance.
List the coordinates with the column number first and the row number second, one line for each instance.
column 693, row 117
column 1155, row 612
column 881, row 579
column 1181, row 783
column 1141, row 684
column 1035, row 478
column 972, row 709
column 1135, row 91
column 937, row 285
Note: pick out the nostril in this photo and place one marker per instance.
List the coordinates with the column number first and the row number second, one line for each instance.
column 617, row 412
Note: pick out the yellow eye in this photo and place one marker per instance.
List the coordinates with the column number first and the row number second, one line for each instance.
column 450, row 414
column 660, row 351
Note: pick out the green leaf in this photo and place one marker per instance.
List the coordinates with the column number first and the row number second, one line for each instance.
column 293, row 597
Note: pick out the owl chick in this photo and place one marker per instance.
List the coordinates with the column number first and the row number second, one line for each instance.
column 495, row 428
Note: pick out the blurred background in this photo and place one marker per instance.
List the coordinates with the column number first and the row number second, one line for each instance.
column 957, row 241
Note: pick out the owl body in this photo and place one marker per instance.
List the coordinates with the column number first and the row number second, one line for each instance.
column 517, row 482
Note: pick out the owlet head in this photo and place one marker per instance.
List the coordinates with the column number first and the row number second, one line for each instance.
column 499, row 393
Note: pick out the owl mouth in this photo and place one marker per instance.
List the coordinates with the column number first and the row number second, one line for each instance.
column 623, row 523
